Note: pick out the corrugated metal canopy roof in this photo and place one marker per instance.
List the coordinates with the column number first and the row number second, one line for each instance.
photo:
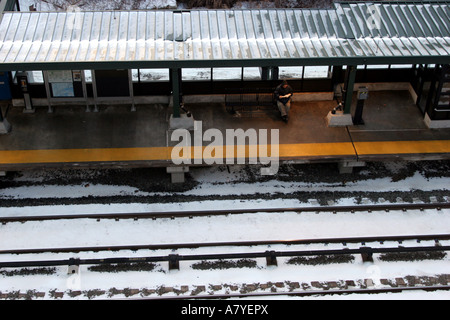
column 355, row 33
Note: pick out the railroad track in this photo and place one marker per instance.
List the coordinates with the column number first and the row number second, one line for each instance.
column 177, row 214
column 174, row 246
column 270, row 255
column 365, row 246
column 340, row 287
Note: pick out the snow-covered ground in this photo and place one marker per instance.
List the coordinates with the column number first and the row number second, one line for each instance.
column 242, row 227
column 237, row 191
column 259, row 226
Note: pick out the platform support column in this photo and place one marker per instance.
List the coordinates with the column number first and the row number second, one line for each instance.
column 94, row 90
column 269, row 73
column 177, row 173
column 349, row 82
column 130, row 87
column 175, row 77
column 5, row 127
column 47, row 90
column 437, row 112
column 347, row 166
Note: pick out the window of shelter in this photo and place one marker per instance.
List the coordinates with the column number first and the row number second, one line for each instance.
column 192, row 74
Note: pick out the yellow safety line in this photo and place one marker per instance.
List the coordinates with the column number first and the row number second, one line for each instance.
column 255, row 151
column 402, row 147
column 164, row 153
column 83, row 155
column 316, row 149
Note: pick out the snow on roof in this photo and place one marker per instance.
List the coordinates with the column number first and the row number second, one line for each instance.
column 349, row 30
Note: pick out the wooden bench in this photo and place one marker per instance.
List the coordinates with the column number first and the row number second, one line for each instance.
column 250, row 101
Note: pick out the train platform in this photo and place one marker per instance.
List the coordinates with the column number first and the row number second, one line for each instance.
column 393, row 129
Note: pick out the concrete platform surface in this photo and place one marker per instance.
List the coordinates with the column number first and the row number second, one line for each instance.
column 394, row 129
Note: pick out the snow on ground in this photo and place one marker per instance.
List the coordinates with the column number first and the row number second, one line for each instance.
column 255, row 226
column 213, row 185
column 223, row 183
column 258, row 226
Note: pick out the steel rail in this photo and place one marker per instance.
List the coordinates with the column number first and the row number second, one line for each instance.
column 362, row 240
column 174, row 214
column 175, row 257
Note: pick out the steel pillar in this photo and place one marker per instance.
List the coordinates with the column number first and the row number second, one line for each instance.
column 349, row 82
column 5, row 127
column 175, row 78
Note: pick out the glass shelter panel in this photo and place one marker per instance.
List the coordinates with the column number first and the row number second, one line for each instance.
column 316, row 72
column 149, row 75
column 227, row 73
column 196, row 74
column 252, row 73
column 290, row 72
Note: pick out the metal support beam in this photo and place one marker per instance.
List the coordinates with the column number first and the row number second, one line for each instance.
column 5, row 127
column 269, row 73
column 275, row 73
column 175, row 78
column 47, row 90
column 94, row 90
column 130, row 86
column 349, row 82
column 437, row 108
column 265, row 73
column 83, row 86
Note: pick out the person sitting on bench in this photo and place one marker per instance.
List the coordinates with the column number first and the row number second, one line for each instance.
column 283, row 95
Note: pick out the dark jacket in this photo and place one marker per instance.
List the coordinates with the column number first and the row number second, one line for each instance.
column 281, row 91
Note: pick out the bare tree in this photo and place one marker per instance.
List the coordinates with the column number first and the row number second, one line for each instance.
column 64, row 5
